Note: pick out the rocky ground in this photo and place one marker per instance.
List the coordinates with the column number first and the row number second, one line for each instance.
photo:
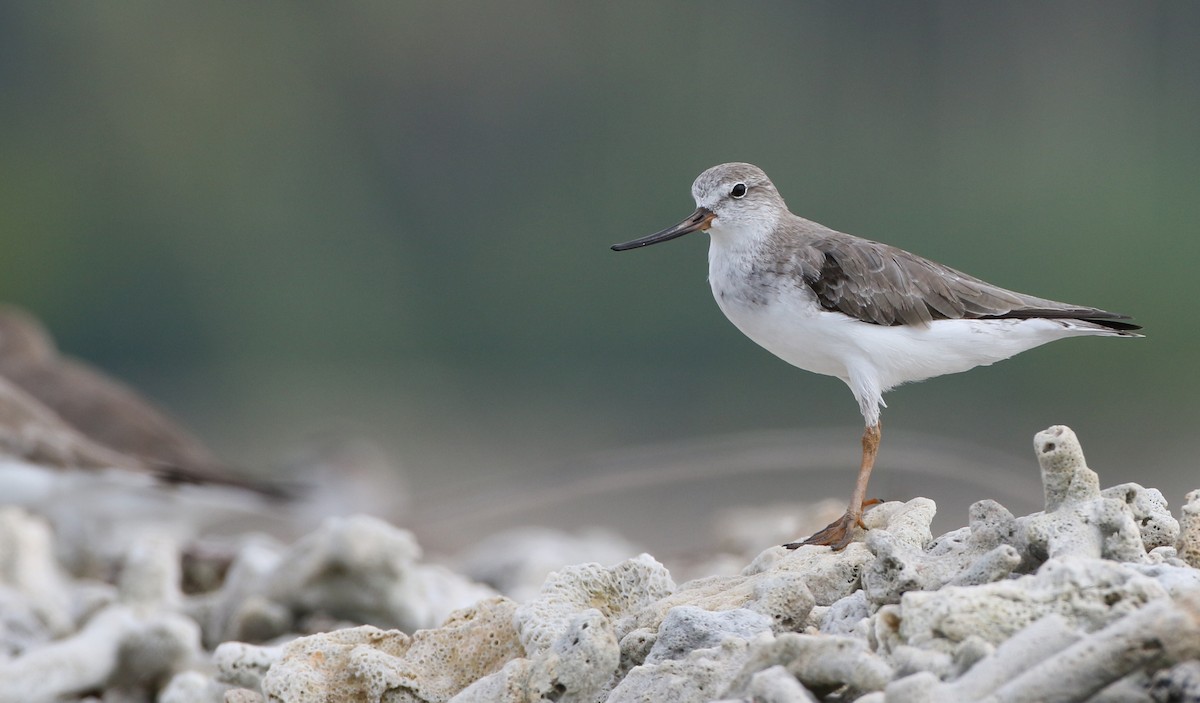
column 1097, row 598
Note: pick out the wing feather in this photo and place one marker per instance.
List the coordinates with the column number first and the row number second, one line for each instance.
column 883, row 285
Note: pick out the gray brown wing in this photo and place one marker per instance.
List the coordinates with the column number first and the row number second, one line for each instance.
column 884, row 285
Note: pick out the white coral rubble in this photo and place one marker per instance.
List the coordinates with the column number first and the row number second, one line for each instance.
column 1096, row 598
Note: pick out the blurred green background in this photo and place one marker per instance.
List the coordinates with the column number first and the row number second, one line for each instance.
column 393, row 219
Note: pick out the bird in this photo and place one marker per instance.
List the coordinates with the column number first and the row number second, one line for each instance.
column 69, row 414
column 873, row 315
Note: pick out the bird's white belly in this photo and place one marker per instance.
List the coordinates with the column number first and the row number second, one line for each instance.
column 792, row 325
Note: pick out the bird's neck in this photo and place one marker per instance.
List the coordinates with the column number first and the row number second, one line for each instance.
column 734, row 253
column 743, row 238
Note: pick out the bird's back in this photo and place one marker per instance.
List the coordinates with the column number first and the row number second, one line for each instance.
column 884, row 285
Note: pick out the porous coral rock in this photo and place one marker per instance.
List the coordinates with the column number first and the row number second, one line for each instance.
column 619, row 593
column 576, row 668
column 131, row 646
column 1188, row 545
column 704, row 674
column 321, row 668
column 119, row 647
column 584, row 659
column 365, row 663
column 365, row 570
column 831, row 576
column 847, row 615
column 980, row 553
column 688, row 628
column 150, row 573
column 1105, row 593
column 159, row 646
column 1175, row 576
column 245, row 665
column 776, row 685
column 472, row 643
column 821, row 662
column 1031, row 645
column 1164, row 632
column 1090, row 593
column 1178, row 684
column 20, row 627
column 1051, row 661
column 1078, row 520
column 1156, row 525
column 818, row 662
column 781, row 595
column 238, row 611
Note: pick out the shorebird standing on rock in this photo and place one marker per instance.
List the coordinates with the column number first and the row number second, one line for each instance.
column 870, row 314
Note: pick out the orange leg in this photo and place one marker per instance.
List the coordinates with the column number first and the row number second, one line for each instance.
column 838, row 533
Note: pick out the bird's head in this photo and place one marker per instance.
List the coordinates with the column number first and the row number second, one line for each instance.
column 734, row 200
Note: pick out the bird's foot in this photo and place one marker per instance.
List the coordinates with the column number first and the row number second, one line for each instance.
column 836, row 534
column 840, row 532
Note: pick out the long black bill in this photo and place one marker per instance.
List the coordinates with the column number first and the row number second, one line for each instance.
column 698, row 220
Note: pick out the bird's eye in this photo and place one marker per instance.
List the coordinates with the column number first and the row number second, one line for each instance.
column 739, row 190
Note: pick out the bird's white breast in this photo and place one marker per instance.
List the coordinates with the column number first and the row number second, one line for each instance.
column 778, row 312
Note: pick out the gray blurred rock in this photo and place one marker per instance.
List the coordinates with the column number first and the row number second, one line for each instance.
column 358, row 569
column 192, row 687
column 28, row 568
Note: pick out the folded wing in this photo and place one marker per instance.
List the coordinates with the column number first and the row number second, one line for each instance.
column 883, row 285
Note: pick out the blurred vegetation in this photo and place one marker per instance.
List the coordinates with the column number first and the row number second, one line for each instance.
column 278, row 217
